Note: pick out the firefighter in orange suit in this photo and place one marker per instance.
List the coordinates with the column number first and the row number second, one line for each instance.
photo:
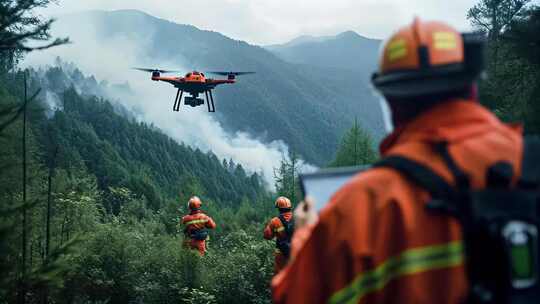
column 281, row 228
column 375, row 242
column 196, row 225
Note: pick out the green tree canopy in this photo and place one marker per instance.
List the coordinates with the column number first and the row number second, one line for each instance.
column 512, row 88
column 356, row 148
column 492, row 16
column 19, row 25
column 286, row 177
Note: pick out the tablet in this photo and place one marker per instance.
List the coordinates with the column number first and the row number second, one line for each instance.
column 322, row 184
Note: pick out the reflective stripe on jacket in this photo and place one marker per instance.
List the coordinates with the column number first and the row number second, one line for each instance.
column 197, row 220
column 375, row 242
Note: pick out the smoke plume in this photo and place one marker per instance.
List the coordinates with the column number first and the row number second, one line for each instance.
column 152, row 101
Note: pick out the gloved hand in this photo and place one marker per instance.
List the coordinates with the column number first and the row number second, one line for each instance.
column 305, row 213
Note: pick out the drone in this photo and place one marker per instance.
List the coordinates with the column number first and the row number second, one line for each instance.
column 194, row 83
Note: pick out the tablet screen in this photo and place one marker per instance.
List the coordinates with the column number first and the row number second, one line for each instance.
column 321, row 185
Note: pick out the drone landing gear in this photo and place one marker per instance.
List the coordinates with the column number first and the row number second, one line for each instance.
column 210, row 101
column 194, row 101
column 178, row 100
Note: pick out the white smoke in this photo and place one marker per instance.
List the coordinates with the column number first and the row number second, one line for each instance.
column 153, row 101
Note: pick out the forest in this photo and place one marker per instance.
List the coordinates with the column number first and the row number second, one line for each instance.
column 91, row 198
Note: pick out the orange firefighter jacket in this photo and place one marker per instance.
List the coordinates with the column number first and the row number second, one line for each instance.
column 194, row 221
column 375, row 242
column 275, row 229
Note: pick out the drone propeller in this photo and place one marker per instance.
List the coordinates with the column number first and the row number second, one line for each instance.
column 156, row 70
column 230, row 73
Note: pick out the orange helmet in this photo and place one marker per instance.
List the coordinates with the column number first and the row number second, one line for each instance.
column 283, row 203
column 194, row 203
column 427, row 58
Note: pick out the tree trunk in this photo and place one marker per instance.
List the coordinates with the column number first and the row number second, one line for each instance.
column 45, row 298
column 22, row 290
column 52, row 165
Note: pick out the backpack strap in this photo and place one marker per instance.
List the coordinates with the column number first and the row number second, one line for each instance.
column 424, row 177
column 462, row 179
column 285, row 224
column 530, row 166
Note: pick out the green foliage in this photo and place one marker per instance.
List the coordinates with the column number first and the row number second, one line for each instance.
column 492, row 16
column 244, row 267
column 356, row 148
column 286, row 177
column 123, row 262
column 118, row 192
column 512, row 87
column 124, row 153
column 523, row 42
column 197, row 296
column 20, row 24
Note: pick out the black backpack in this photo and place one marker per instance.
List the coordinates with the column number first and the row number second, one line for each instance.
column 284, row 245
column 500, row 224
column 199, row 234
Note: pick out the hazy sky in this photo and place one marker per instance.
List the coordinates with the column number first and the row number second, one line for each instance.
column 277, row 21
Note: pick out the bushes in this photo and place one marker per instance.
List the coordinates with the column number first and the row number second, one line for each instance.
column 122, row 262
column 116, row 205
column 241, row 269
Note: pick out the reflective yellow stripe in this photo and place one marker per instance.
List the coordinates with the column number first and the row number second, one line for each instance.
column 279, row 229
column 396, row 49
column 409, row 262
column 444, row 40
column 196, row 222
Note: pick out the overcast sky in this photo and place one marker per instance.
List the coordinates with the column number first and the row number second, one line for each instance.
column 276, row 21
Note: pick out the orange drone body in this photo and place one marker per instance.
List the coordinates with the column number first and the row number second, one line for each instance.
column 194, row 83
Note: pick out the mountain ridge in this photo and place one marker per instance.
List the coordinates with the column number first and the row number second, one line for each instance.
column 346, row 50
column 306, row 38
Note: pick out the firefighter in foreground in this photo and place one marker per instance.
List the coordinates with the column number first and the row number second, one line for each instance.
column 281, row 228
column 196, row 225
column 375, row 242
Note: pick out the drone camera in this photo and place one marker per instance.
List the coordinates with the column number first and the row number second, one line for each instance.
column 194, row 102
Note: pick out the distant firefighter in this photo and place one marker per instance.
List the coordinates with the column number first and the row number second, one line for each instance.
column 281, row 228
column 196, row 226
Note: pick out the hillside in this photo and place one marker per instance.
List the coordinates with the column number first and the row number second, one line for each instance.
column 299, row 104
column 347, row 50
column 110, row 191
column 120, row 151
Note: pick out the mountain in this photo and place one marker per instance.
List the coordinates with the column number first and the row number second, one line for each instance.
column 308, row 107
column 297, row 41
column 347, row 50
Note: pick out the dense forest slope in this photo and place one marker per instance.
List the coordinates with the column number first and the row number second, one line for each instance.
column 123, row 152
column 299, row 104
column 111, row 191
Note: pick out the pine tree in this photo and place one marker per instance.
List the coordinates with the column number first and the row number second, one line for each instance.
column 492, row 16
column 356, row 148
column 19, row 25
column 286, row 177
